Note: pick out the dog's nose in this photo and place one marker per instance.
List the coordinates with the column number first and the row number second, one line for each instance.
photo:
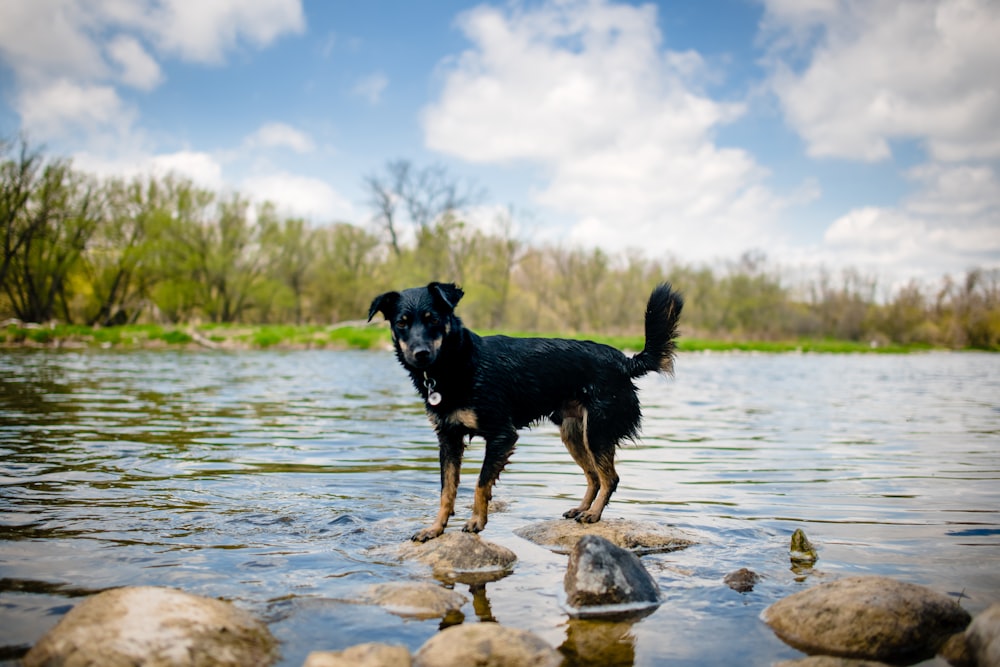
column 422, row 355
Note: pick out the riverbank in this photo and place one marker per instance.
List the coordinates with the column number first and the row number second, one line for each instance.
column 353, row 335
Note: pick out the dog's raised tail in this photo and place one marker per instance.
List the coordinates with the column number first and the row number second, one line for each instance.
column 662, row 313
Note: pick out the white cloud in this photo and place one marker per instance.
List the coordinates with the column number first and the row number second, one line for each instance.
column 371, row 87
column 63, row 107
column 586, row 90
column 280, row 135
column 67, row 52
column 301, row 196
column 204, row 31
column 201, row 168
column 887, row 70
column 138, row 69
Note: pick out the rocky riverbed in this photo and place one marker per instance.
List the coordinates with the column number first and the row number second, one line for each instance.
column 851, row 621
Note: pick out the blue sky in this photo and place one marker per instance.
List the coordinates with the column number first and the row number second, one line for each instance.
column 833, row 133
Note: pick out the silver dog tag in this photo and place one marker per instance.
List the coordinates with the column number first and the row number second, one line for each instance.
column 433, row 398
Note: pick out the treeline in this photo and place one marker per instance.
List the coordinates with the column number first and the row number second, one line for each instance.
column 79, row 249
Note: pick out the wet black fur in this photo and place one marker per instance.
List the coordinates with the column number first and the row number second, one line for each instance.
column 491, row 386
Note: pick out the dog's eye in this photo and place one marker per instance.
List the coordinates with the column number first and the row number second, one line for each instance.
column 431, row 318
column 402, row 323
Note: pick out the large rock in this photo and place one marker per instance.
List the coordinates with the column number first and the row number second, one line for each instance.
column 416, row 600
column 486, row 645
column 154, row 627
column 363, row 655
column 829, row 661
column 605, row 580
column 464, row 557
column 561, row 535
column 982, row 638
column 867, row 617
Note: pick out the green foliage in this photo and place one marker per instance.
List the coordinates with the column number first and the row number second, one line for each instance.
column 160, row 251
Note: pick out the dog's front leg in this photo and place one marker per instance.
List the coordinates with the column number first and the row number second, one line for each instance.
column 499, row 447
column 451, row 445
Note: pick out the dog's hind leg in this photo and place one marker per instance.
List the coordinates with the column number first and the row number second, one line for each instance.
column 572, row 432
column 451, row 445
column 604, row 458
column 499, row 447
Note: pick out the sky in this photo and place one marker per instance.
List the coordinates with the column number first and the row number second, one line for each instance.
column 821, row 133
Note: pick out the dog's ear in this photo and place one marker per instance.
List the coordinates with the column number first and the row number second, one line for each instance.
column 385, row 304
column 446, row 294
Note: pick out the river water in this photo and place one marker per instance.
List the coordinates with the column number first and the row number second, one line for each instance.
column 283, row 481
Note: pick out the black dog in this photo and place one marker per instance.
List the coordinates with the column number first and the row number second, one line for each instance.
column 491, row 386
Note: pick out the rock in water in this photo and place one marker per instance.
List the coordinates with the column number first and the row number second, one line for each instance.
column 802, row 551
column 486, row 645
column 603, row 579
column 155, row 627
column 867, row 617
column 416, row 600
column 641, row 538
column 741, row 580
column 462, row 557
column 362, row 655
column 983, row 636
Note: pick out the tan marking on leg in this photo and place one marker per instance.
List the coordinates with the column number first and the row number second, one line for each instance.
column 449, row 490
column 466, row 417
column 480, row 509
column 573, row 436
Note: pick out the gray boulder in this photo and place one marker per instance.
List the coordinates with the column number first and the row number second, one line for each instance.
column 867, row 617
column 561, row 535
column 154, row 627
column 605, row 580
column 463, row 557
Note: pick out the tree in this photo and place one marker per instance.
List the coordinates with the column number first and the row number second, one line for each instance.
column 52, row 230
column 425, row 194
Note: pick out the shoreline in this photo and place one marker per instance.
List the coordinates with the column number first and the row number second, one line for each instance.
column 361, row 336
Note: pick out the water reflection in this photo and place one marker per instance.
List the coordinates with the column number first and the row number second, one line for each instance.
column 284, row 481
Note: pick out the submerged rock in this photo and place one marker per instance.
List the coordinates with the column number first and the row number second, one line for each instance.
column 603, row 579
column 417, row 600
column 486, row 645
column 867, row 617
column 155, row 627
column 561, row 535
column 464, row 557
column 741, row 580
column 362, row 655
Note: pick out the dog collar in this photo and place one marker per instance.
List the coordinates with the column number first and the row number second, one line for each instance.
column 433, row 397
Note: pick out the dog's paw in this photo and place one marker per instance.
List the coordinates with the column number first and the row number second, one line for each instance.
column 588, row 517
column 473, row 525
column 426, row 534
column 573, row 513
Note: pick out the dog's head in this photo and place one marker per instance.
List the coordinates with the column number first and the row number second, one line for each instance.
column 420, row 318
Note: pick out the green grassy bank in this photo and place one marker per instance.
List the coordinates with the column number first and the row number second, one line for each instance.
column 291, row 337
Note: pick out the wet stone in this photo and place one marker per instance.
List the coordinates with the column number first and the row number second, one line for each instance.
column 742, row 580
column 829, row 661
column 486, row 645
column 155, row 627
column 801, row 550
column 605, row 580
column 561, row 535
column 416, row 600
column 362, row 655
column 464, row 557
column 983, row 637
column 867, row 617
